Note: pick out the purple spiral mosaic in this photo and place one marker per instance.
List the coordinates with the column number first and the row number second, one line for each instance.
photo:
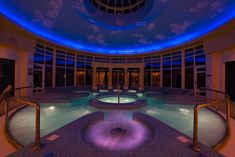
column 118, row 132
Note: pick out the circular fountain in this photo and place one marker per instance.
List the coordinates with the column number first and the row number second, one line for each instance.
column 118, row 131
column 117, row 101
column 114, row 99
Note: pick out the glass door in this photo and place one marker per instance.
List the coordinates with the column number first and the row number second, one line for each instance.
column 133, row 76
column 189, row 78
column 118, row 76
column 80, row 76
column 200, row 77
column 102, row 77
column 38, row 78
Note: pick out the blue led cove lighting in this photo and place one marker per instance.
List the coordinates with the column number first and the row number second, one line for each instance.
column 109, row 49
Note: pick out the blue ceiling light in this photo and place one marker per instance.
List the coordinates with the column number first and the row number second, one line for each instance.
column 164, row 24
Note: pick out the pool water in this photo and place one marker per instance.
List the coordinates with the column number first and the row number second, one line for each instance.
column 177, row 116
column 114, row 100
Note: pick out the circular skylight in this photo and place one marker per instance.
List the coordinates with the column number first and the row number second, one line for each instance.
column 119, row 6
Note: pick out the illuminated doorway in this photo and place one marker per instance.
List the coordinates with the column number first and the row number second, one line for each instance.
column 133, row 77
column 118, row 76
column 102, row 77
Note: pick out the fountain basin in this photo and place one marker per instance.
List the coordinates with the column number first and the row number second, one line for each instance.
column 115, row 102
column 114, row 99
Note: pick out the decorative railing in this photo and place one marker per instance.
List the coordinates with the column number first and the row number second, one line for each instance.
column 213, row 103
column 6, row 96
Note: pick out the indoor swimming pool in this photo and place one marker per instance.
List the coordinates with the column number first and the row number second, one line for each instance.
column 177, row 116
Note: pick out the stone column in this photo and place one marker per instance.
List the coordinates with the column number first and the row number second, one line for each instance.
column 75, row 72
column 161, row 72
column 54, row 69
column 141, row 79
column 126, row 82
column 94, row 86
column 183, row 71
column 110, row 86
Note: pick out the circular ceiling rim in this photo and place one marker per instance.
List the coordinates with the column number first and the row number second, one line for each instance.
column 107, row 51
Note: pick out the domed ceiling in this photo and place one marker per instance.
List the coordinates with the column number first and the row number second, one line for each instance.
column 85, row 25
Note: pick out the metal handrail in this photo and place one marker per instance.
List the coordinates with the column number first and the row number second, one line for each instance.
column 6, row 96
column 215, row 103
column 5, row 92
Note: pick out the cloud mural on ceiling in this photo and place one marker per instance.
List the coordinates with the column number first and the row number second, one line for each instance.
column 160, row 24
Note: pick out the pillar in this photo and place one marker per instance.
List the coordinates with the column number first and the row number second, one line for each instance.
column 141, row 79
column 161, row 72
column 183, row 71
column 110, row 86
column 126, row 82
column 54, row 69
column 75, row 72
column 94, row 86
